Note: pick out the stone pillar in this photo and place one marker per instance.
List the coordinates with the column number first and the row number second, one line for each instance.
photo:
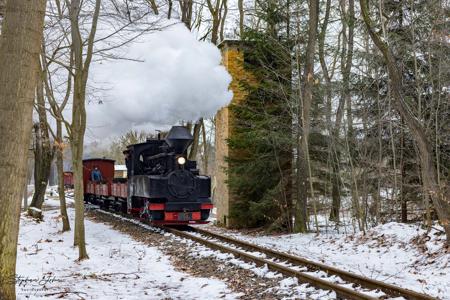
column 233, row 60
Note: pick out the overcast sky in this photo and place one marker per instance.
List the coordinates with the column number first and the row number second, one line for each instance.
column 177, row 78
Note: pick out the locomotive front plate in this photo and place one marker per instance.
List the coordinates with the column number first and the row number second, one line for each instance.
column 181, row 183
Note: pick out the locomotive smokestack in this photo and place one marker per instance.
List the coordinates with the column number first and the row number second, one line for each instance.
column 179, row 138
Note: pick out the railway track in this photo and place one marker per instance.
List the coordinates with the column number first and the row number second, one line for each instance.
column 361, row 287
column 350, row 286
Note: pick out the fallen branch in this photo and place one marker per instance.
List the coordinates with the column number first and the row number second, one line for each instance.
column 65, row 293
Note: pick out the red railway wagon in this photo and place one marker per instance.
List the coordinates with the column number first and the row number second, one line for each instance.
column 106, row 167
column 106, row 188
column 68, row 179
column 119, row 190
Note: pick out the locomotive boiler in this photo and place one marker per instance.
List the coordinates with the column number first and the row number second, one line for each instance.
column 162, row 186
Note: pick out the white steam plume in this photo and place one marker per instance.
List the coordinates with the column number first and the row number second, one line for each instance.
column 180, row 78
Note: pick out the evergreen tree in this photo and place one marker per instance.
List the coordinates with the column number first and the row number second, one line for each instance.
column 260, row 146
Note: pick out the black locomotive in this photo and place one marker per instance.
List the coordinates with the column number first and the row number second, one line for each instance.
column 162, row 185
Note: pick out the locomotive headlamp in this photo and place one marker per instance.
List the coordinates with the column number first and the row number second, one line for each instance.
column 181, row 160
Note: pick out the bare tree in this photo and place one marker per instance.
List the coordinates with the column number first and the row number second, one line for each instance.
column 43, row 148
column 218, row 11
column 194, row 148
column 241, row 17
column 186, row 12
column 303, row 164
column 333, row 131
column 57, row 109
column 82, row 62
column 438, row 194
column 153, row 5
column 348, row 21
column 19, row 52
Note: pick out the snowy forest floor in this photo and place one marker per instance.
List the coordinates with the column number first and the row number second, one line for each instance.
column 119, row 266
column 402, row 254
column 127, row 261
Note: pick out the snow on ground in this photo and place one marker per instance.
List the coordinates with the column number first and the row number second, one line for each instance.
column 288, row 288
column 51, row 198
column 119, row 267
column 401, row 254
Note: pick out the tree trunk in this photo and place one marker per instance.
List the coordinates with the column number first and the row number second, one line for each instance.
column 241, row 18
column 41, row 169
column 205, row 149
column 60, row 170
column 25, row 191
column 57, row 110
column 78, row 126
column 2, row 9
column 194, row 147
column 43, row 152
column 77, row 141
column 403, row 182
column 308, row 75
column 215, row 27
column 223, row 19
column 438, row 195
column 169, row 10
column 186, row 12
column 334, row 133
column 348, row 19
column 377, row 203
column 77, row 165
column 301, row 214
column 20, row 43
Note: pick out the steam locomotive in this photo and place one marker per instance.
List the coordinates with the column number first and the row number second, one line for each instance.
column 162, row 185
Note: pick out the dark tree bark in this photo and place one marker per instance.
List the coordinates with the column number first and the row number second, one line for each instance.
column 60, row 170
column 169, row 10
column 205, row 149
column 303, row 160
column 186, row 12
column 334, row 132
column 2, row 8
column 19, row 52
column 438, row 195
column 43, row 148
column 153, row 5
column 346, row 66
column 218, row 11
column 241, row 17
column 195, row 142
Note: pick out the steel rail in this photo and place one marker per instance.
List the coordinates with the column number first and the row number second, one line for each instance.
column 341, row 291
column 365, row 282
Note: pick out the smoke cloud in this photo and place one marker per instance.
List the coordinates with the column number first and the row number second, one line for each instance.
column 176, row 78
